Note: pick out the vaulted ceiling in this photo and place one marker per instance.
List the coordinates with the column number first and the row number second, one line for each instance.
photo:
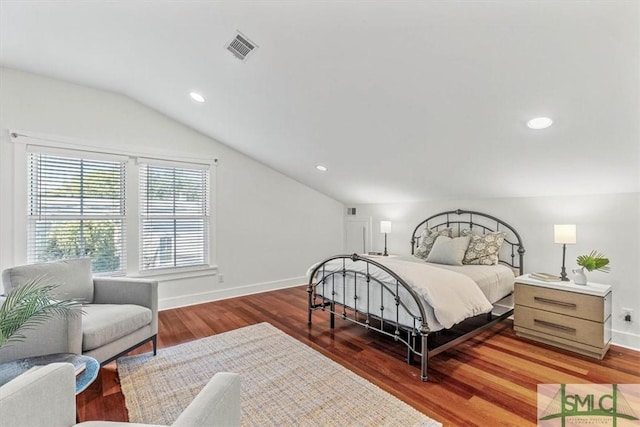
column 400, row 100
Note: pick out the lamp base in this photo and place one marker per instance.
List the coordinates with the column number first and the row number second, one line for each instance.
column 385, row 245
column 563, row 272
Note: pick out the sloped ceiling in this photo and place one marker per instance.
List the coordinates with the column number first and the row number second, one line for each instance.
column 402, row 101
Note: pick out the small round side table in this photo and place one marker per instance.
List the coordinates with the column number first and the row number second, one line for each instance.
column 11, row 370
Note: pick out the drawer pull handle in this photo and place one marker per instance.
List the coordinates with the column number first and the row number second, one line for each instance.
column 554, row 325
column 552, row 301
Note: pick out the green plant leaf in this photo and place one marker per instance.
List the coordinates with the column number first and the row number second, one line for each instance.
column 594, row 261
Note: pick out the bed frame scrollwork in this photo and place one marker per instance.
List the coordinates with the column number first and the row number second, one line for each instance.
column 356, row 285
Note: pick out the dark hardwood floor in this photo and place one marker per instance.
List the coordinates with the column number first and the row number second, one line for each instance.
column 487, row 381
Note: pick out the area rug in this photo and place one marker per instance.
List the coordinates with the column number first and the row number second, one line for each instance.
column 284, row 382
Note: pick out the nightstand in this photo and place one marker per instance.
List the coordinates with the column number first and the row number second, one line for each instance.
column 563, row 314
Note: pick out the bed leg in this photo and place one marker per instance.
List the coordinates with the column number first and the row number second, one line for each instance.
column 410, row 347
column 332, row 316
column 310, row 303
column 424, row 358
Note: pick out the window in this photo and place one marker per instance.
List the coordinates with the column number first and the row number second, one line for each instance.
column 174, row 216
column 131, row 215
column 77, row 208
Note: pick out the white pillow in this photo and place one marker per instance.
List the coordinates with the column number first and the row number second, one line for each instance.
column 448, row 251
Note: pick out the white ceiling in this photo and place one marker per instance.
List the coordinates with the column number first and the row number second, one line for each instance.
column 401, row 100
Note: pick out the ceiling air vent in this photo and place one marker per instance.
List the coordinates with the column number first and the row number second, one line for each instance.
column 241, row 47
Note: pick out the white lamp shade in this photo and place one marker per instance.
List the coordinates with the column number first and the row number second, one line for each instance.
column 564, row 233
column 385, row 226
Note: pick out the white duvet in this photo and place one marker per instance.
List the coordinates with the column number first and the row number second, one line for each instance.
column 450, row 296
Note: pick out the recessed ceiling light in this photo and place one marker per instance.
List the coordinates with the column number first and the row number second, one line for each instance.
column 196, row 97
column 539, row 123
column 321, row 168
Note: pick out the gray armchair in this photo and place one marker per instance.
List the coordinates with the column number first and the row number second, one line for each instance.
column 120, row 314
column 46, row 397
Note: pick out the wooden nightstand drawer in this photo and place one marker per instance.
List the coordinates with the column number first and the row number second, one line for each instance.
column 563, row 302
column 558, row 325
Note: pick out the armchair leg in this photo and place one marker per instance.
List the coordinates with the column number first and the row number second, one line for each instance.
column 153, row 339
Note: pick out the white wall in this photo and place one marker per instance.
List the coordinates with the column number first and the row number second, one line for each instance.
column 608, row 223
column 270, row 228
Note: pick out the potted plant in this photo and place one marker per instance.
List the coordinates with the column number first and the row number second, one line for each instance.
column 594, row 260
column 31, row 305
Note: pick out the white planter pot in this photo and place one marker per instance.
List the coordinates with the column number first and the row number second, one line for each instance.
column 579, row 278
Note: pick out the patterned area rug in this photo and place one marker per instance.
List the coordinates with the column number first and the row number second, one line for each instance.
column 284, row 382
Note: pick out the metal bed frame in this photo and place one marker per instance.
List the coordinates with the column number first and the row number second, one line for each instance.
column 415, row 336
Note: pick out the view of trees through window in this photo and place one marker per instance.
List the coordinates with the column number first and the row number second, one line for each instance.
column 77, row 209
column 98, row 240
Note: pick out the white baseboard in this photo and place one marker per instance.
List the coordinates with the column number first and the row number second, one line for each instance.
column 220, row 294
column 625, row 339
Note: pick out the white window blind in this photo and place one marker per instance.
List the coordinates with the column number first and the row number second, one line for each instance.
column 77, row 209
column 174, row 216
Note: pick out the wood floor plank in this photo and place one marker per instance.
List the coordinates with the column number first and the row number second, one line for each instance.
column 489, row 380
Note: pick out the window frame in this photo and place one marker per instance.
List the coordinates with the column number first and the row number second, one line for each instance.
column 25, row 141
column 206, row 209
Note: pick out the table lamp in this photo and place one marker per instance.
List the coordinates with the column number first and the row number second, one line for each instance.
column 565, row 234
column 385, row 227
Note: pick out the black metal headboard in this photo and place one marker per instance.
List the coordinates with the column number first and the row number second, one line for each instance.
column 486, row 223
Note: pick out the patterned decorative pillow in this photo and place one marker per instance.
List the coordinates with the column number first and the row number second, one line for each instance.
column 483, row 248
column 428, row 238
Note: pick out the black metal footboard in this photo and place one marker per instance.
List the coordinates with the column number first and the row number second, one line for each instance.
column 366, row 292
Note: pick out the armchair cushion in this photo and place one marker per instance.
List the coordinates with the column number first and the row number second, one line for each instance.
column 72, row 276
column 105, row 323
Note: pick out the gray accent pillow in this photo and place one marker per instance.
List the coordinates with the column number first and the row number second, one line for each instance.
column 483, row 248
column 73, row 278
column 449, row 251
column 428, row 238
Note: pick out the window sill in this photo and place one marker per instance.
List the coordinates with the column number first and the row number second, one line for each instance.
column 176, row 274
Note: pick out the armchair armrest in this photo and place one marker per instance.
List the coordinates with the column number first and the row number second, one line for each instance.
column 125, row 290
column 41, row 397
column 217, row 404
column 56, row 335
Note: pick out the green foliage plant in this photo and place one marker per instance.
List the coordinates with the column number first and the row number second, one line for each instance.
column 29, row 306
column 594, row 261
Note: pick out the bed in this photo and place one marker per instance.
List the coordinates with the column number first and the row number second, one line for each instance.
column 427, row 306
